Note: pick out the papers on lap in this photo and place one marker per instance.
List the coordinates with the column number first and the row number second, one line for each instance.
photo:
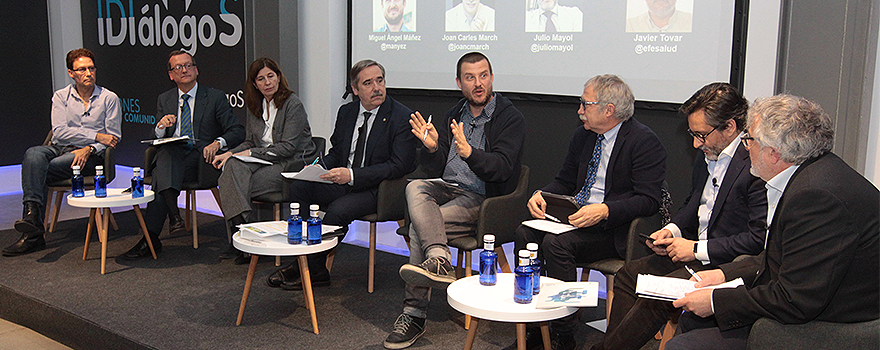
column 309, row 173
column 249, row 159
column 671, row 288
column 549, row 226
column 155, row 142
column 575, row 294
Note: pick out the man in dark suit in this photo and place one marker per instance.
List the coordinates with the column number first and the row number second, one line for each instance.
column 614, row 169
column 371, row 142
column 821, row 261
column 724, row 217
column 202, row 113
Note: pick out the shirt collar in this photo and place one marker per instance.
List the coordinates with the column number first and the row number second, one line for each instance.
column 780, row 181
column 611, row 134
column 73, row 93
column 191, row 92
column 488, row 109
column 728, row 151
column 373, row 111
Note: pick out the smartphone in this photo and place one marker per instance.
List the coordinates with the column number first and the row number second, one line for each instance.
column 648, row 237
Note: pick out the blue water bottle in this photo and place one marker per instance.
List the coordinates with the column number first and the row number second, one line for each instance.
column 100, row 182
column 522, row 284
column 536, row 267
column 294, row 225
column 488, row 258
column 77, row 186
column 137, row 184
column 314, row 225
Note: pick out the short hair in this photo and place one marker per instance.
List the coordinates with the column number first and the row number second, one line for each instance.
column 179, row 52
column 358, row 67
column 610, row 89
column 74, row 54
column 720, row 102
column 253, row 98
column 471, row 57
column 799, row 129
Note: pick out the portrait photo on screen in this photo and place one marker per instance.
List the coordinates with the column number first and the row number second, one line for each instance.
column 554, row 16
column 470, row 16
column 664, row 16
column 394, row 16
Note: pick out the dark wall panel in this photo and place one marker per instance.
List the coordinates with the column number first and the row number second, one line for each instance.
column 27, row 98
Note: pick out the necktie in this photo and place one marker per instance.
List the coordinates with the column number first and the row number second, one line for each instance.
column 361, row 142
column 186, row 120
column 584, row 195
column 549, row 27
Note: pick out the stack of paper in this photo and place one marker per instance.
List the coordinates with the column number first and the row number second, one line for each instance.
column 671, row 288
column 574, row 294
column 265, row 228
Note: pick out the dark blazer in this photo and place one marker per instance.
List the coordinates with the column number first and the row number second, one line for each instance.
column 635, row 175
column 211, row 116
column 821, row 261
column 291, row 137
column 739, row 217
column 499, row 164
column 391, row 148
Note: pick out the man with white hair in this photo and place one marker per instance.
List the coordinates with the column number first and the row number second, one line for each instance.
column 821, row 259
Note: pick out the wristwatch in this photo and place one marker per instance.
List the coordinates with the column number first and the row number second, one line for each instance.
column 93, row 149
column 695, row 248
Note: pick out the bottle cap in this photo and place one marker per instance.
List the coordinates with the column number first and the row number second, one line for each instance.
column 137, row 169
column 76, row 167
column 99, row 167
column 313, row 207
column 489, row 238
column 532, row 246
column 524, row 254
column 294, row 205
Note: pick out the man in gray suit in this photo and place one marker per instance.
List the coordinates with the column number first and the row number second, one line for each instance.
column 203, row 114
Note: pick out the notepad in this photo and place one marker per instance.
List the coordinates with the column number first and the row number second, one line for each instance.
column 671, row 288
column 309, row 173
column 155, row 142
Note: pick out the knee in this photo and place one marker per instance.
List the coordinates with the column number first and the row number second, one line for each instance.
column 33, row 154
column 414, row 190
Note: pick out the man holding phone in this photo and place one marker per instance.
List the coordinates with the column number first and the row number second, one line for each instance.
column 724, row 217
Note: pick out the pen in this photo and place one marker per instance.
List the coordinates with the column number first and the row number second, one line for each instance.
column 693, row 273
column 316, row 160
column 425, row 137
column 551, row 217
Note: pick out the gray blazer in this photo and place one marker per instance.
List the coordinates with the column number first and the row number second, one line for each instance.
column 291, row 137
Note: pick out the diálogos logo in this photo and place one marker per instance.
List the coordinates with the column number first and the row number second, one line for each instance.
column 151, row 29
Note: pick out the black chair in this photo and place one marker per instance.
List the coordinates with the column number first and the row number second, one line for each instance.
column 58, row 188
column 767, row 334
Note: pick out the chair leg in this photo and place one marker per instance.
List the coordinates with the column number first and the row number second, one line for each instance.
column 669, row 329
column 371, row 271
column 609, row 295
column 468, row 270
column 329, row 263
column 467, row 273
column 188, row 195
column 502, row 259
column 458, row 263
column 59, row 196
column 113, row 220
column 195, row 223
column 277, row 207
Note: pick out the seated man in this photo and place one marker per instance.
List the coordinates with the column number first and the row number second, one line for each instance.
column 477, row 156
column 724, row 216
column 85, row 121
column 371, row 143
column 821, row 259
column 204, row 114
column 614, row 169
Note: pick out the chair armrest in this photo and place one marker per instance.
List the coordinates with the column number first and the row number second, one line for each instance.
column 501, row 215
column 769, row 334
column 636, row 247
column 110, row 163
column 391, row 204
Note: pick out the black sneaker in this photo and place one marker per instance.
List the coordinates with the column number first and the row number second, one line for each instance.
column 407, row 329
column 435, row 272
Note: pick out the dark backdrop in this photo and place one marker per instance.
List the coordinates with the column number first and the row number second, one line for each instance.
column 27, row 98
column 551, row 120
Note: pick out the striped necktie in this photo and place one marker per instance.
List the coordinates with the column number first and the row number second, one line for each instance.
column 186, row 120
column 584, row 195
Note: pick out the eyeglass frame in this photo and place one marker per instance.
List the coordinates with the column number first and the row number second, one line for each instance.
column 746, row 139
column 180, row 67
column 585, row 103
column 82, row 70
column 702, row 138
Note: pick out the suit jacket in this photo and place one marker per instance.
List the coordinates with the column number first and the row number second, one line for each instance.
column 633, row 181
column 821, row 261
column 291, row 137
column 499, row 164
column 211, row 116
column 390, row 152
column 739, row 217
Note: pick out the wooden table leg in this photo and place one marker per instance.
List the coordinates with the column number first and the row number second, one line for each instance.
column 307, row 290
column 472, row 333
column 247, row 287
column 140, row 216
column 102, row 236
column 89, row 232
column 545, row 334
column 521, row 336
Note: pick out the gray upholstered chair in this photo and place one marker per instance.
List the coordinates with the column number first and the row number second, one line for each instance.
column 767, row 334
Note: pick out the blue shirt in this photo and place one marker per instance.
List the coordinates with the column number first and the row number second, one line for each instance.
column 457, row 170
column 75, row 125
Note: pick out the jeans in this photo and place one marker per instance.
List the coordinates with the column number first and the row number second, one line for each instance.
column 44, row 164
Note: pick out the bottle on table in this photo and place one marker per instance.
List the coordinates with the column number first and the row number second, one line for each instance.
column 522, row 284
column 488, row 258
column 314, row 225
column 100, row 182
column 77, row 185
column 536, row 267
column 294, row 225
column 137, row 184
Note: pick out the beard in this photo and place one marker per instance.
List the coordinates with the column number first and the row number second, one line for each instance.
column 474, row 102
column 394, row 20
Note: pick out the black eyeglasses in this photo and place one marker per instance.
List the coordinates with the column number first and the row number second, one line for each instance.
column 180, row 67
column 746, row 139
column 584, row 104
column 700, row 137
column 82, row 70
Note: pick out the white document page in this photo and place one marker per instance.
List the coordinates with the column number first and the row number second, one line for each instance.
column 309, row 173
column 249, row 159
column 671, row 288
